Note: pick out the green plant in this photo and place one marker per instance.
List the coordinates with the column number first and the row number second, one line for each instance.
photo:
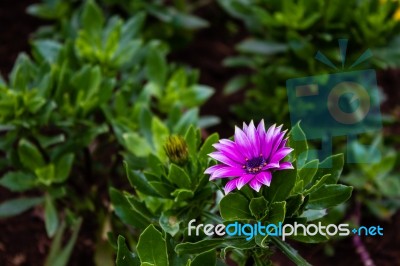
column 168, row 196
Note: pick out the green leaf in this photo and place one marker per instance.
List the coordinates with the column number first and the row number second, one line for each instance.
column 124, row 256
column 389, row 185
column 179, row 177
column 186, row 120
column 196, row 95
column 136, row 144
column 164, row 190
column 46, row 174
column 293, row 204
column 235, row 206
column 277, row 212
column 59, row 256
column 17, row 206
column 189, row 21
column 191, row 140
column 258, row 206
column 235, row 84
column 160, row 135
column 47, row 49
column 308, row 171
column 329, row 196
column 139, row 181
column 92, row 18
column 298, row 141
column 206, row 258
column 384, row 167
column 169, row 223
column 125, row 210
column 133, row 26
column 207, row 146
column 318, row 238
column 208, row 244
column 239, row 244
column 312, row 215
column 18, row 181
column 182, row 194
column 199, row 247
column 281, row 185
column 50, row 216
column 63, row 167
column 332, row 165
column 262, row 47
column 298, row 187
column 152, row 247
column 207, row 121
column 138, row 206
column 29, row 155
column 156, row 66
column 145, row 121
column 317, row 184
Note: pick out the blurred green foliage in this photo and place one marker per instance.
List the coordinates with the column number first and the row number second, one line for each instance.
column 286, row 35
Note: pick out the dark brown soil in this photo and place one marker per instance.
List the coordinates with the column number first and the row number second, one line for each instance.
column 23, row 239
column 15, row 27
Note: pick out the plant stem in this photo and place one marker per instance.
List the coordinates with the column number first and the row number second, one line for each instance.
column 361, row 250
column 290, row 252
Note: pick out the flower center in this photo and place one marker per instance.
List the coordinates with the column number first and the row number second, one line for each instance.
column 255, row 164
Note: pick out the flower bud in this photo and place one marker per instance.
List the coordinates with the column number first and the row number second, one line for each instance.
column 176, row 150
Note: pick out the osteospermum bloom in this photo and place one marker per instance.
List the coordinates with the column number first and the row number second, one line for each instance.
column 251, row 158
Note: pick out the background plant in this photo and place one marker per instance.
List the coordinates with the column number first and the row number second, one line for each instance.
column 285, row 37
column 174, row 22
column 78, row 99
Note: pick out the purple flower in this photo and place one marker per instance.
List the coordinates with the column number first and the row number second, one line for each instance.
column 251, row 157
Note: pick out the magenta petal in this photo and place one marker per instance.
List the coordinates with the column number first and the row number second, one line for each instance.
column 244, row 179
column 264, row 178
column 227, row 172
column 270, row 133
column 285, row 165
column 241, row 138
column 231, row 185
column 227, row 142
column 280, row 154
column 277, row 130
column 253, row 139
column 283, row 144
column 243, row 143
column 224, row 159
column 230, row 152
column 213, row 168
column 267, row 148
column 261, row 128
column 254, row 184
column 271, row 166
column 245, row 127
column 277, row 141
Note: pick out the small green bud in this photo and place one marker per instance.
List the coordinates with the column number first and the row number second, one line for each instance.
column 177, row 150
